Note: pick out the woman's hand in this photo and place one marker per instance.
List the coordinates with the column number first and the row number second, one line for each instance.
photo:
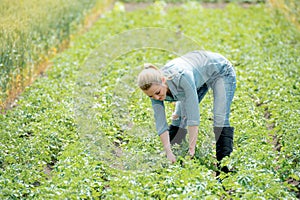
column 193, row 135
column 171, row 157
column 192, row 152
column 165, row 139
column 175, row 116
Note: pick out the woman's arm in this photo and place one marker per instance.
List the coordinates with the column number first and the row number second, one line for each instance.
column 162, row 127
column 167, row 146
column 190, row 105
column 193, row 135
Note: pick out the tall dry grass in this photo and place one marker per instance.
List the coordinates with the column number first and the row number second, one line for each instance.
column 290, row 8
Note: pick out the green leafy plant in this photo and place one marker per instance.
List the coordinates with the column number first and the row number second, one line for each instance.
column 45, row 153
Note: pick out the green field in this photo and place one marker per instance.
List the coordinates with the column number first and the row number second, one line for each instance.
column 85, row 131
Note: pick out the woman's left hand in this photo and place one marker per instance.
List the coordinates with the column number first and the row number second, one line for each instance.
column 192, row 152
column 193, row 135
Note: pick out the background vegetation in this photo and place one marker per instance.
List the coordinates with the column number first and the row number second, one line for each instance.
column 290, row 8
column 31, row 31
column 45, row 156
column 200, row 1
column 30, row 34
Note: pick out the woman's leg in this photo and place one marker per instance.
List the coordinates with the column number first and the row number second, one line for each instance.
column 223, row 91
column 202, row 92
column 177, row 130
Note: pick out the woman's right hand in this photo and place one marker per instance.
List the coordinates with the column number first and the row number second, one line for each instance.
column 171, row 157
column 167, row 146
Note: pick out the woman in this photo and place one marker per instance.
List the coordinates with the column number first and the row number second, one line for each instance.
column 186, row 80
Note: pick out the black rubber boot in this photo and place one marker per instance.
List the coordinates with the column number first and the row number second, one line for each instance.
column 224, row 146
column 177, row 134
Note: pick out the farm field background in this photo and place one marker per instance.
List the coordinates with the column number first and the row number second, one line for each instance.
column 85, row 131
column 32, row 32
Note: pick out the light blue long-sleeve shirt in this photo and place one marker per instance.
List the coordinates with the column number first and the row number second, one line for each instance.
column 185, row 75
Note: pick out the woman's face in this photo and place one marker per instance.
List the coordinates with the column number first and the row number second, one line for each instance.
column 157, row 91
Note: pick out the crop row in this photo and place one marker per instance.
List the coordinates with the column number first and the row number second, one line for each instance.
column 84, row 132
column 33, row 31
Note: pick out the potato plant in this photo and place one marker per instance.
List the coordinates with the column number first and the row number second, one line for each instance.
column 60, row 144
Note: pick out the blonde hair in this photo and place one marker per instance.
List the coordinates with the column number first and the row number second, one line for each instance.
column 148, row 76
